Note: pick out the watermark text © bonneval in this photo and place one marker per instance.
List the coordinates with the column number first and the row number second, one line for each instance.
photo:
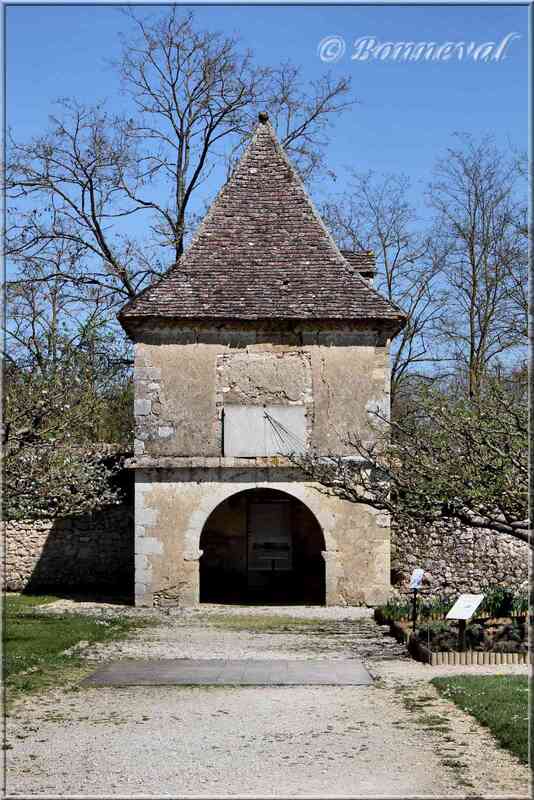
column 369, row 48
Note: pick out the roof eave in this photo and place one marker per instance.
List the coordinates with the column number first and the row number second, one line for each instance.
column 135, row 323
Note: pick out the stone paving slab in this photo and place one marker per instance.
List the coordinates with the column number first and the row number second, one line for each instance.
column 221, row 672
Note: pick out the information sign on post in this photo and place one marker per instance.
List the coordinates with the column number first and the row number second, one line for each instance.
column 465, row 606
column 462, row 610
column 417, row 578
column 415, row 584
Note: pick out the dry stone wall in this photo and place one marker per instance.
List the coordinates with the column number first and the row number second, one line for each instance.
column 85, row 552
column 76, row 553
column 457, row 558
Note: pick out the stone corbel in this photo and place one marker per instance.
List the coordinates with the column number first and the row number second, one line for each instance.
column 193, row 555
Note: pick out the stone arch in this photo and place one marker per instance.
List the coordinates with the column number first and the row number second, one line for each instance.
column 219, row 492
column 234, row 533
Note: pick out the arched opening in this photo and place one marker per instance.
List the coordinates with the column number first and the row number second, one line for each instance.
column 262, row 546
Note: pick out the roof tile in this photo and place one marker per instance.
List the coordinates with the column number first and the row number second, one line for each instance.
column 263, row 252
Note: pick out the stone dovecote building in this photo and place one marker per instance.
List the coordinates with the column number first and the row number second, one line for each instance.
column 264, row 339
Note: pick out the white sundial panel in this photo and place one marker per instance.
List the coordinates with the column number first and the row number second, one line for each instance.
column 257, row 431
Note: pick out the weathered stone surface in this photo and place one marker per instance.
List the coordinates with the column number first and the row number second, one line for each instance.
column 142, row 407
column 339, row 377
column 75, row 553
column 262, row 314
column 251, row 378
column 458, row 559
column 174, row 511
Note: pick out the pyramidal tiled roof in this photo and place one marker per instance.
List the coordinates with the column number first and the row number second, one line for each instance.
column 262, row 252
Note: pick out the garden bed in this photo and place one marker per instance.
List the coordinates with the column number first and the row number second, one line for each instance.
column 496, row 636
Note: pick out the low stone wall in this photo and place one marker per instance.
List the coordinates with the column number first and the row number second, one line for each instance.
column 457, row 558
column 75, row 553
column 90, row 551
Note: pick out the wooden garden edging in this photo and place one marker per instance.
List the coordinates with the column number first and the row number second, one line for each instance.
column 468, row 658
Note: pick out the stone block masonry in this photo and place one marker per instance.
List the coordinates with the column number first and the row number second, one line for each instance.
column 76, row 553
column 97, row 551
column 457, row 558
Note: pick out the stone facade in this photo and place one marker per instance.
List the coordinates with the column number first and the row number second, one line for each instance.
column 264, row 340
column 339, row 376
column 457, row 558
column 173, row 506
column 74, row 554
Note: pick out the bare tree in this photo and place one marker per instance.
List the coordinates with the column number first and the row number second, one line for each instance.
column 518, row 265
column 192, row 97
column 374, row 214
column 301, row 112
column 66, row 186
column 192, row 89
column 46, row 315
column 51, row 311
column 481, row 250
column 448, row 457
column 57, row 327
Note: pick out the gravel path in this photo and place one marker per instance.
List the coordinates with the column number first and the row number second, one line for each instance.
column 395, row 738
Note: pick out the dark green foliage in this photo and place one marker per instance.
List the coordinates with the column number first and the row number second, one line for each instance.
column 443, row 636
column 498, row 602
column 439, row 636
column 508, row 635
column 475, row 637
column 506, row 646
column 435, row 630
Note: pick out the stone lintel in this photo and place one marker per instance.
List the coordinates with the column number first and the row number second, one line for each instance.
column 197, row 462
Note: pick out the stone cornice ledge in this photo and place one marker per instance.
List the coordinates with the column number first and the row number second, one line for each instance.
column 198, row 462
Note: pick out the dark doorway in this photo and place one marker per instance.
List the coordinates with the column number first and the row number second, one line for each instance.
column 262, row 546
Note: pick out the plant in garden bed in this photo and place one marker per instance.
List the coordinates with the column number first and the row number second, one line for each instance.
column 394, row 610
column 438, row 636
column 498, row 603
column 444, row 637
column 520, row 604
column 433, row 608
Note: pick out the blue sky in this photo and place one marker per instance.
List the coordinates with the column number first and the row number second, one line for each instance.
column 407, row 111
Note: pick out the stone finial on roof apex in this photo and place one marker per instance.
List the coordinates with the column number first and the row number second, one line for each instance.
column 262, row 252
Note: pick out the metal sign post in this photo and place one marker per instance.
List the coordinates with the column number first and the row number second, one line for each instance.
column 414, row 609
column 462, row 623
column 415, row 585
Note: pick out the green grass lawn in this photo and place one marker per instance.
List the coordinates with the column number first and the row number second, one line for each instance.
column 500, row 702
column 34, row 644
column 261, row 623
